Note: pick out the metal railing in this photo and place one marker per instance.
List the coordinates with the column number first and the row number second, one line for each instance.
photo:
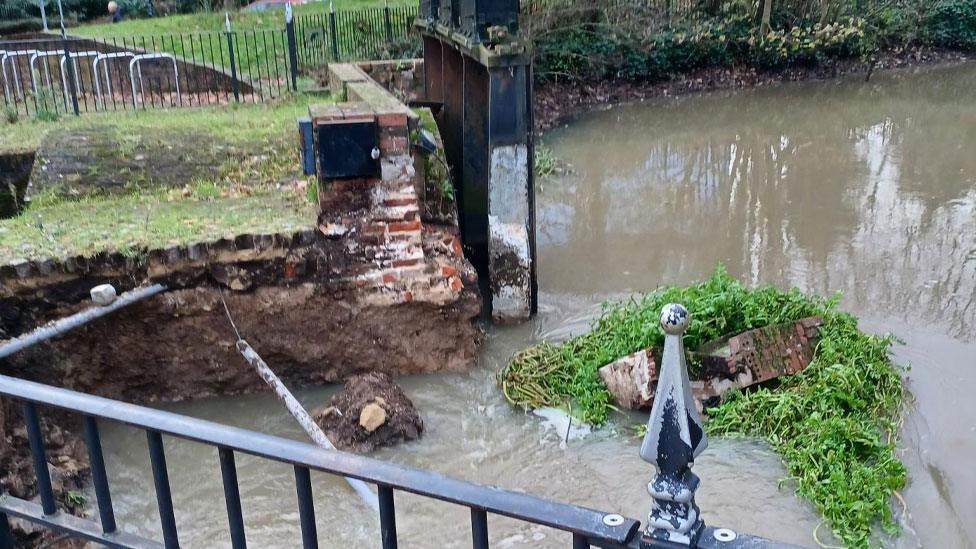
column 674, row 521
column 585, row 524
column 194, row 69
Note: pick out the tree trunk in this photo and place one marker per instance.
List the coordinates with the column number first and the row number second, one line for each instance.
column 767, row 12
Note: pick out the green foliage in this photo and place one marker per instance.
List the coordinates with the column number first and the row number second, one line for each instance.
column 312, row 192
column 835, row 423
column 806, row 45
column 75, row 498
column 596, row 51
column 10, row 114
column 545, row 161
column 604, row 43
column 951, row 24
column 47, row 110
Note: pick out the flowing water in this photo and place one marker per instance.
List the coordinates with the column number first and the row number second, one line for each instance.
column 864, row 188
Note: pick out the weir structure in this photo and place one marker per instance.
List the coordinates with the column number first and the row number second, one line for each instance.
column 673, row 440
column 478, row 77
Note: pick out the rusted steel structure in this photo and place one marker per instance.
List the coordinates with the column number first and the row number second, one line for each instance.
column 478, row 75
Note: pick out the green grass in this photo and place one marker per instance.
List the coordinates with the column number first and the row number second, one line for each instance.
column 144, row 222
column 835, row 423
column 244, row 198
column 230, row 123
column 260, row 47
column 214, row 21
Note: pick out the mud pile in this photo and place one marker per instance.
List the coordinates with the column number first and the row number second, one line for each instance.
column 370, row 412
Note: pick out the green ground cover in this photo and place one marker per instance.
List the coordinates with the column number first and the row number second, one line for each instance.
column 835, row 424
column 214, row 21
column 232, row 123
column 260, row 45
column 252, row 193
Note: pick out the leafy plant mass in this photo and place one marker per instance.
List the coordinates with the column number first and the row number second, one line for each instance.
column 835, row 423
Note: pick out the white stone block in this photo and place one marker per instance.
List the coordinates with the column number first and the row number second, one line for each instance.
column 104, row 295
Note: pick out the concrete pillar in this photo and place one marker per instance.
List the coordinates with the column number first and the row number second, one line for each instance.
column 511, row 226
column 485, row 121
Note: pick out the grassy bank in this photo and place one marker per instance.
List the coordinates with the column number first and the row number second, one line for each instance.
column 231, row 123
column 214, row 21
column 835, row 423
column 258, row 186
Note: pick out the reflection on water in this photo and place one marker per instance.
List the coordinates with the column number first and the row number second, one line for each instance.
column 869, row 189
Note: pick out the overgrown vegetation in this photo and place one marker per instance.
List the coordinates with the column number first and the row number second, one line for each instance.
column 637, row 41
column 835, row 423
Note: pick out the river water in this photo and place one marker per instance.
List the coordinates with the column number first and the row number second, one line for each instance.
column 864, row 188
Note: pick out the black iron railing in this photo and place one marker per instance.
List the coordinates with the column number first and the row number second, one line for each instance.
column 50, row 76
column 587, row 526
column 670, row 444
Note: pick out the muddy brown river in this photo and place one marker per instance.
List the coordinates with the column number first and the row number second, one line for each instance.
column 864, row 188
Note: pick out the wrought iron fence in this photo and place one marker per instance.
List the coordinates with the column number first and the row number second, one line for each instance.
column 176, row 70
column 192, row 69
column 355, row 34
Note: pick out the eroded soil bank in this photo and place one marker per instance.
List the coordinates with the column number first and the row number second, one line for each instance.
column 557, row 101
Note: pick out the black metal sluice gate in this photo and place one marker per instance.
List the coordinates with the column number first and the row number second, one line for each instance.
column 674, row 520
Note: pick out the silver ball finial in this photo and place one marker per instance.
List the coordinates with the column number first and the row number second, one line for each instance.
column 674, row 319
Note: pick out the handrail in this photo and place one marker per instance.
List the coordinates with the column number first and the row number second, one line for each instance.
column 570, row 518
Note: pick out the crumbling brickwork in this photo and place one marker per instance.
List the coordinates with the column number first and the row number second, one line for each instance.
column 396, row 256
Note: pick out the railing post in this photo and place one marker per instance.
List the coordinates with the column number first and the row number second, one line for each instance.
column 164, row 496
column 232, row 498
column 674, row 438
column 333, row 33
column 72, row 90
column 388, row 530
column 235, row 85
column 96, row 459
column 292, row 46
column 36, row 440
column 6, row 536
column 387, row 22
column 306, row 508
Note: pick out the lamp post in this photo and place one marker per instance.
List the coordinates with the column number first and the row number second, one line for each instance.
column 674, row 439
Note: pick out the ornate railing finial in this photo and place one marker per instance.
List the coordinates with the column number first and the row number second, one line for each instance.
column 674, row 438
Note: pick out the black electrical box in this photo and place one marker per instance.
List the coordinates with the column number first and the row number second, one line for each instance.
column 346, row 150
column 477, row 16
column 429, row 10
column 447, row 13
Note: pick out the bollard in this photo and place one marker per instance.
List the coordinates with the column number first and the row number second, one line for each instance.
column 674, row 439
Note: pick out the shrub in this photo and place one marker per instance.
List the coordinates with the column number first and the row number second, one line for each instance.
column 595, row 51
column 951, row 24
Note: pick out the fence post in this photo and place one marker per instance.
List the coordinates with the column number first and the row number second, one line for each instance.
column 72, row 91
column 292, row 46
column 6, row 536
column 674, row 439
column 333, row 34
column 235, row 85
column 387, row 22
column 43, row 14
